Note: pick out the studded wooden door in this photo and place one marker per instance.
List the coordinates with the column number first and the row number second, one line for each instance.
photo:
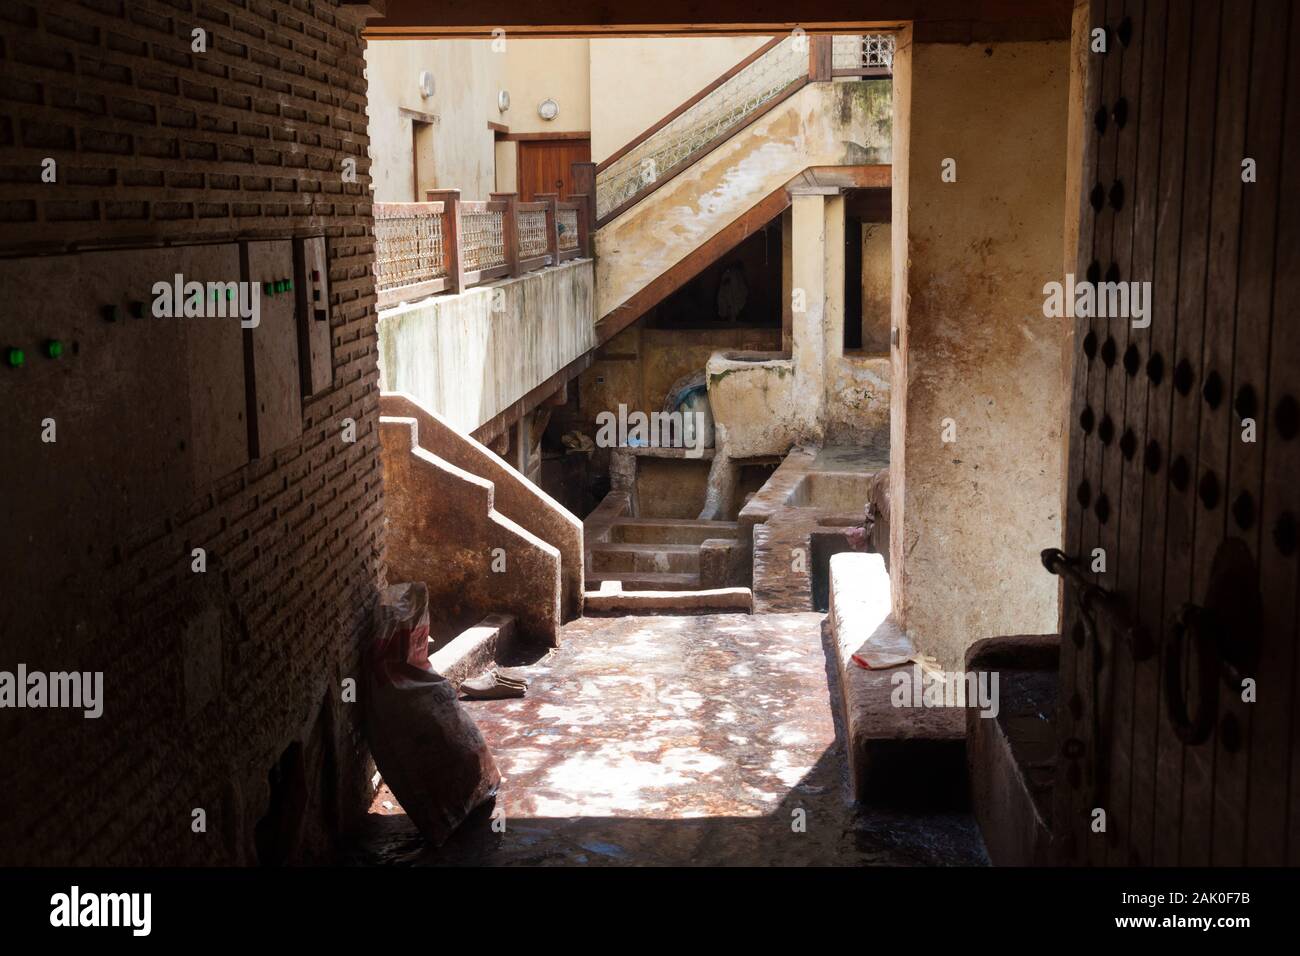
column 1178, row 723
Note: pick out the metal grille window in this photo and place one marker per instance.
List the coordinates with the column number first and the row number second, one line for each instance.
column 857, row 53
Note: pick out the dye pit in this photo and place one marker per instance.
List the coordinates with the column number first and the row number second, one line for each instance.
column 661, row 740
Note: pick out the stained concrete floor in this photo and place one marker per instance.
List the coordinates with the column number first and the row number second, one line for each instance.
column 706, row 740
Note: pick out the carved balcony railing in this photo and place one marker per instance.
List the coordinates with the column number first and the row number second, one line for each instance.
column 448, row 244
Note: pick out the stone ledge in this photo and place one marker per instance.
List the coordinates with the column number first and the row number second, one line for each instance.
column 1012, row 759
column 474, row 649
column 912, row 756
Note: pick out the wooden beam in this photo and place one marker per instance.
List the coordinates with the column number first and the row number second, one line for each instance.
column 700, row 258
column 535, row 137
column 450, row 198
column 966, row 21
column 509, row 230
column 819, row 57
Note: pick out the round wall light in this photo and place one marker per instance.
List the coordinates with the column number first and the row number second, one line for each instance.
column 503, row 100
column 426, row 84
column 548, row 109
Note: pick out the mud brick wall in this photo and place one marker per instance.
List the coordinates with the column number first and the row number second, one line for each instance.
column 215, row 683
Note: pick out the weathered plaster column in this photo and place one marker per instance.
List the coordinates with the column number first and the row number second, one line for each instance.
column 833, row 270
column 975, row 459
column 787, row 280
column 809, row 306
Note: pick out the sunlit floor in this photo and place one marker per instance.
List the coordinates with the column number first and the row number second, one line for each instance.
column 676, row 740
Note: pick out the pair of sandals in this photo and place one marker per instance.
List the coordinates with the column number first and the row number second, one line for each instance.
column 497, row 683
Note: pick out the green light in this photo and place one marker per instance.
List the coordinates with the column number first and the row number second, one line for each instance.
column 15, row 358
column 268, row 288
column 53, row 348
column 112, row 313
column 137, row 310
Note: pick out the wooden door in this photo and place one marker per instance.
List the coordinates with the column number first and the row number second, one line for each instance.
column 545, row 166
column 1184, row 457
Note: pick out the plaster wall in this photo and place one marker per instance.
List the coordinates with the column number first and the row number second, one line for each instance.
column 877, row 239
column 639, row 365
column 467, row 76
column 536, row 70
column 970, row 516
column 764, row 403
column 465, row 361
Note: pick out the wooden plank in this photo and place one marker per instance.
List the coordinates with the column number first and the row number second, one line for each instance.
column 584, row 184
column 819, row 57
column 1261, row 470
column 510, row 230
column 1098, row 521
column 1069, row 797
column 1166, row 790
column 1166, row 795
column 1194, row 256
column 726, row 239
column 967, row 20
column 409, row 293
column 1120, row 475
column 451, row 229
column 548, row 136
column 1217, row 814
column 1282, row 455
column 1137, row 504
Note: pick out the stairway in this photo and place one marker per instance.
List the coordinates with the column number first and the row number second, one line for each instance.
column 658, row 554
column 655, row 554
column 716, row 169
column 481, row 536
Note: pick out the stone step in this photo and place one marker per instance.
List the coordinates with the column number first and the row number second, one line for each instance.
column 669, row 530
column 612, row 599
column 901, row 750
column 625, row 556
column 647, row 580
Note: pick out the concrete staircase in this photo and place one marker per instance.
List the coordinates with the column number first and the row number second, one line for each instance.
column 482, row 537
column 655, row 554
column 708, row 174
column 514, row 496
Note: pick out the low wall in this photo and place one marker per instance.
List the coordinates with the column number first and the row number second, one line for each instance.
column 857, row 402
column 442, row 529
column 468, row 357
column 515, row 496
column 756, row 408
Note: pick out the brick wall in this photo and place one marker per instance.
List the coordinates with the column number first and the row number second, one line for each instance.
column 208, row 678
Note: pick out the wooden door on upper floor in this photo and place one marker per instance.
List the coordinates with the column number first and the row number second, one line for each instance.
column 546, row 166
